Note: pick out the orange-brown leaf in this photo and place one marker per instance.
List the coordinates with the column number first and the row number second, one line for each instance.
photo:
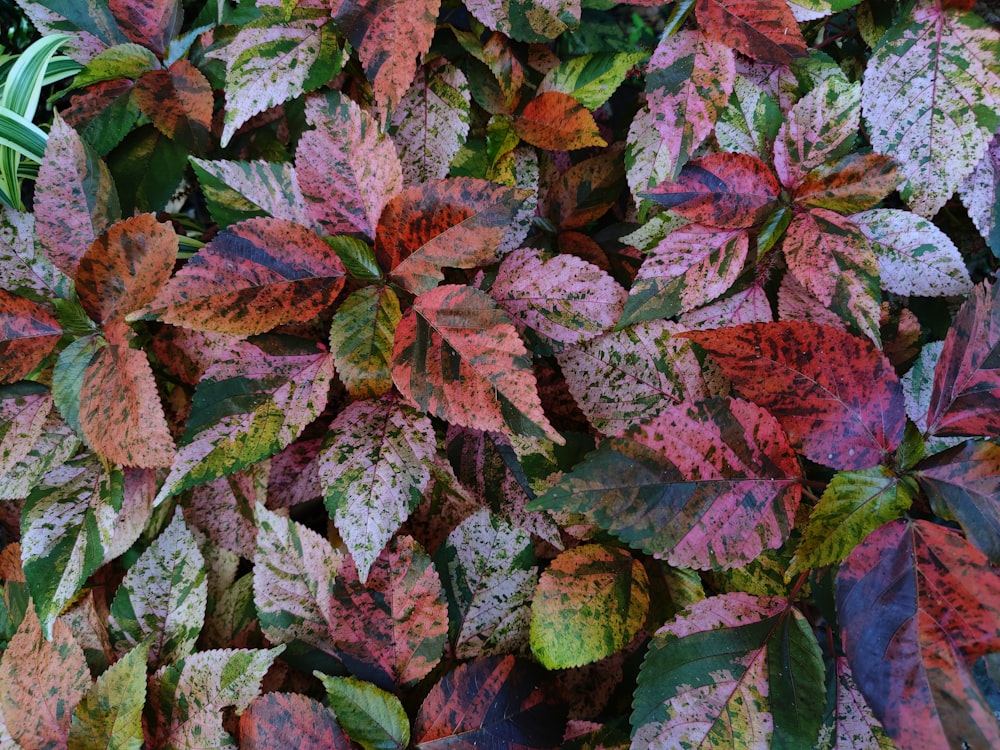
column 27, row 335
column 854, row 183
column 558, row 122
column 179, row 103
column 765, row 30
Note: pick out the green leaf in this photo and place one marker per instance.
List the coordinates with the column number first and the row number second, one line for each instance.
column 361, row 339
column 370, row 716
column 591, row 79
column 121, row 61
column 152, row 164
column 357, row 256
column 67, row 377
column 110, row 714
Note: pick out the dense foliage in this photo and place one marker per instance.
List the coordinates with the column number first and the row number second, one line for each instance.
column 511, row 375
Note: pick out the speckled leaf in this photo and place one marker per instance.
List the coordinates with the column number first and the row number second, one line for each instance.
column 256, row 275
column 458, row 357
column 688, row 82
column 914, row 256
column 528, row 21
column 431, row 122
column 917, row 597
column 110, row 714
column 488, row 570
column 56, row 444
column 586, row 191
column 728, row 191
column 647, row 155
column 373, row 472
column 238, row 190
column 373, row 718
column 854, row 182
column 731, row 671
column 492, row 703
column 835, row 395
column 561, row 297
column 455, row 223
column 125, row 267
column 293, row 574
column 392, row 630
column 347, row 167
column 831, row 257
column 361, row 338
column 650, row 369
column 75, row 198
column 751, row 121
column 749, row 305
column 245, row 409
column 849, row 723
column 151, row 23
column 163, row 596
column 918, row 383
column 709, row 485
column 23, row 265
column 290, row 720
column 590, row 602
column 179, row 103
column 931, row 94
column 965, row 399
column 981, row 195
column 765, row 30
column 591, row 79
column 23, row 410
column 223, row 509
column 853, row 505
column 41, row 682
column 963, row 484
column 558, row 122
column 28, row 333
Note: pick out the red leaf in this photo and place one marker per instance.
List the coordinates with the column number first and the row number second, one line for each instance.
column 125, row 267
column 493, row 703
column 456, row 223
column 179, row 103
column 765, row 30
column 258, row 274
column 965, row 399
column 729, row 191
column 285, row 720
column 151, row 23
column 27, row 334
column 835, row 394
column 917, row 605
column 557, row 122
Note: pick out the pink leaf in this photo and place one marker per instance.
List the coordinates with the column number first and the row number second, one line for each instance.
column 765, row 30
column 151, row 23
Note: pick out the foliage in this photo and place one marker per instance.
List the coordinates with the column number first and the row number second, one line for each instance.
column 511, row 375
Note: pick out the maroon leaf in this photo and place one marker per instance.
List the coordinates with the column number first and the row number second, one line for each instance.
column 729, row 191
column 965, row 399
column 765, row 30
column 495, row 704
column 151, row 23
column 27, row 334
column 917, row 605
column 835, row 394
column 179, row 103
column 285, row 720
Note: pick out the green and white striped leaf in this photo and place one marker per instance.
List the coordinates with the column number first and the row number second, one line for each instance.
column 238, row 190
column 591, row 79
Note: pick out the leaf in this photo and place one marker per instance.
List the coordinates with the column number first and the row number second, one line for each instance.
column 966, row 386
column 238, row 190
column 361, row 339
column 852, row 183
column 590, row 602
column 290, row 720
column 962, row 484
column 392, row 630
column 179, row 103
column 647, row 155
column 246, row 408
column 706, row 485
column 686, row 269
column 762, row 29
column 371, row 717
column 731, row 671
column 223, row 509
column 455, row 223
column 558, row 122
column 154, row 167
column 749, row 305
column 591, row 79
column 54, row 446
column 853, row 505
column 23, row 265
column 751, row 121
column 931, row 94
column 458, row 357
column 649, row 367
column 110, row 714
column 151, row 23
column 535, row 22
column 585, row 191
column 835, row 395
column 373, row 471
column 937, row 613
column 163, row 596
column 75, row 198
column 831, row 258
column 431, row 122
column 561, row 297
column 347, row 168
column 493, row 703
column 256, row 275
column 688, row 82
column 980, row 195
column 488, row 570
column 28, row 333
column 41, row 682
column 849, row 722
column 727, row 191
column 125, row 267
column 23, row 411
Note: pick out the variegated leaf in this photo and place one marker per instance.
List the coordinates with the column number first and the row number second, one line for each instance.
column 537, row 22
column 110, row 714
column 558, row 122
column 28, row 333
column 23, row 411
column 765, row 30
column 23, row 264
column 238, row 190
column 179, row 103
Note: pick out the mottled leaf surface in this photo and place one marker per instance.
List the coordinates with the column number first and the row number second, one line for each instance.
column 151, row 23
column 110, row 714
column 361, row 340
column 28, row 332
column 237, row 190
column 854, row 182
column 23, row 410
column 290, row 720
column 765, row 30
column 558, row 122
column 591, row 79
column 535, row 22
column 849, row 722
column 179, row 103
column 23, row 264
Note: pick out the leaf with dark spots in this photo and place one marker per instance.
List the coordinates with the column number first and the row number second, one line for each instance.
column 728, row 191
column 125, row 267
column 179, row 103
column 765, row 30
column 151, row 23
column 454, row 223
column 586, row 190
column 361, row 339
column 103, row 113
column 855, row 182
column 938, row 608
column 256, row 275
column 835, row 394
column 557, row 122
column 494, row 704
column 276, row 720
column 27, row 334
